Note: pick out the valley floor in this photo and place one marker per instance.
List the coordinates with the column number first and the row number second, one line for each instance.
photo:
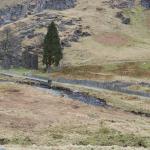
column 31, row 116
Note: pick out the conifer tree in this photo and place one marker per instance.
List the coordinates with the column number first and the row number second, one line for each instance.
column 52, row 53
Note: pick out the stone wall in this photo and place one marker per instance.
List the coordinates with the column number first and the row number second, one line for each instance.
column 13, row 13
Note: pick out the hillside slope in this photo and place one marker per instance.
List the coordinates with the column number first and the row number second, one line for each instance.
column 111, row 41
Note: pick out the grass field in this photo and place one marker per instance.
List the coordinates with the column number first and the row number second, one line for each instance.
column 33, row 119
column 33, row 116
column 110, row 41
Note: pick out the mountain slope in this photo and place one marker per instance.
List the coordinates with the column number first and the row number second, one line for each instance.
column 111, row 41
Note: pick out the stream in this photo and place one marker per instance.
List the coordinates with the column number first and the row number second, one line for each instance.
column 75, row 95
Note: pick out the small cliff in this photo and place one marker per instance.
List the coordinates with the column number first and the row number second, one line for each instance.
column 145, row 3
column 13, row 13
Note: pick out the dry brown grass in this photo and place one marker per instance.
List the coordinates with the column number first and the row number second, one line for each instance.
column 132, row 69
column 71, row 147
column 33, row 116
column 112, row 39
column 127, row 43
column 106, row 72
column 129, row 103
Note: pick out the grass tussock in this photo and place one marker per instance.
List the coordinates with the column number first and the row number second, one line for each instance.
column 16, row 141
column 103, row 136
column 132, row 69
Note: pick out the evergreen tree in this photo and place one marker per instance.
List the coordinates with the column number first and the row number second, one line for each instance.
column 52, row 48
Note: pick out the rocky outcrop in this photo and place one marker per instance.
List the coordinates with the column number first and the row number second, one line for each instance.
column 121, row 3
column 13, row 13
column 145, row 3
column 124, row 19
column 29, row 60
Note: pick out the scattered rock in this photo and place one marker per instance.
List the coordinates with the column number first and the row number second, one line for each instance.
column 145, row 3
column 65, row 43
column 99, row 9
column 121, row 4
column 124, row 19
column 84, row 34
column 68, row 22
column 13, row 13
column 119, row 14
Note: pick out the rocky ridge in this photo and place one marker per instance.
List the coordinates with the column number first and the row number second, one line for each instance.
column 20, row 10
column 31, row 31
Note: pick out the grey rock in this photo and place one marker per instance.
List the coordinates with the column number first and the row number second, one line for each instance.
column 29, row 60
column 2, row 148
column 68, row 22
column 65, row 43
column 14, row 13
column 74, row 38
column 145, row 3
column 6, row 62
column 84, row 34
column 121, row 4
column 126, row 20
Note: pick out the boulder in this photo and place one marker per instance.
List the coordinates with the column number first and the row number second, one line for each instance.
column 65, row 43
column 124, row 19
column 84, row 34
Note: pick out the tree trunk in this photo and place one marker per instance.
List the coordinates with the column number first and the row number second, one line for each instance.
column 49, row 68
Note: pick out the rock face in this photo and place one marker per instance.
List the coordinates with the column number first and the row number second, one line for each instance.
column 124, row 19
column 6, row 62
column 122, row 3
column 9, row 61
column 145, row 3
column 13, row 13
column 29, row 60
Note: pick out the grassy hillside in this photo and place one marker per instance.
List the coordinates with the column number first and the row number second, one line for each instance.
column 111, row 41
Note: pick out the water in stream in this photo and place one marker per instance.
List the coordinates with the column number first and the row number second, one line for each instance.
column 75, row 95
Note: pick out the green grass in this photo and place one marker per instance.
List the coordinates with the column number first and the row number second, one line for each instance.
column 109, row 137
column 16, row 141
column 138, row 23
column 133, row 69
column 24, row 71
column 110, row 67
column 19, row 70
column 145, row 65
column 102, row 135
column 140, row 88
